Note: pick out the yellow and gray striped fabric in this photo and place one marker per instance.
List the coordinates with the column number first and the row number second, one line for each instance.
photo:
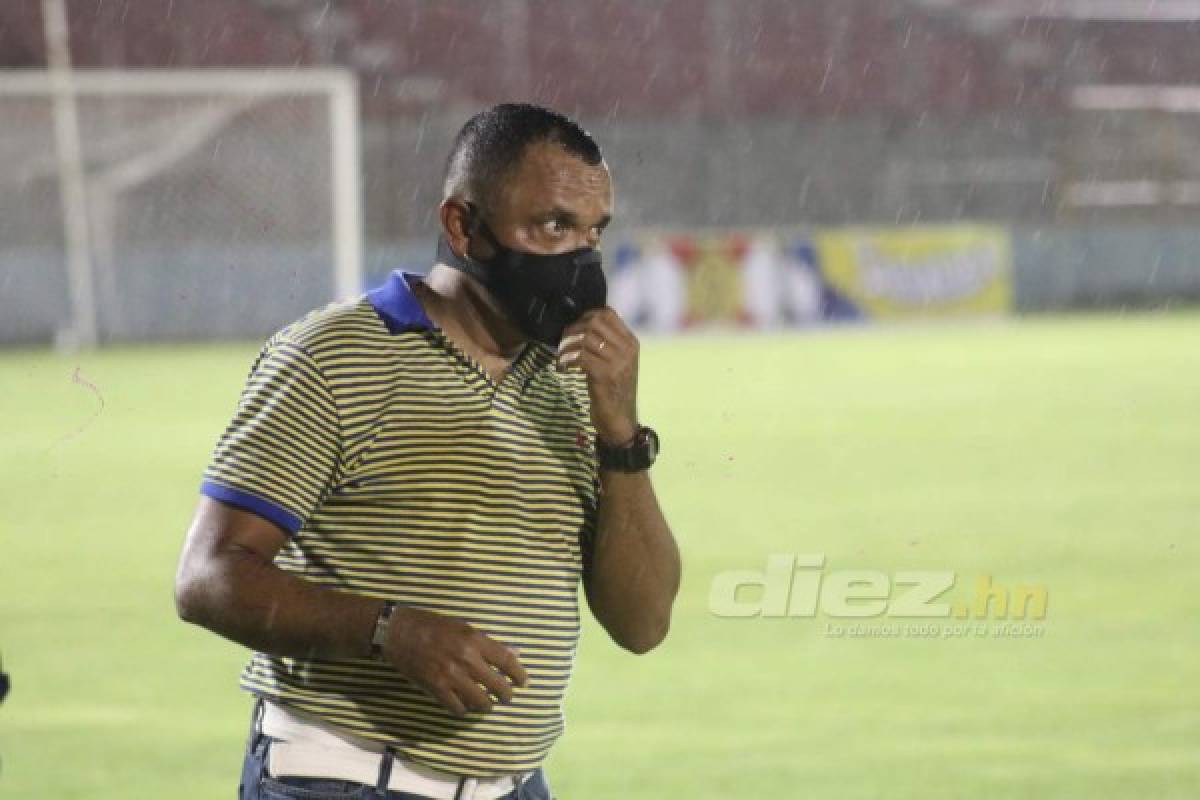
column 401, row 471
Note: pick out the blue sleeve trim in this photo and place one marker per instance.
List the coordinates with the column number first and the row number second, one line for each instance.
column 254, row 504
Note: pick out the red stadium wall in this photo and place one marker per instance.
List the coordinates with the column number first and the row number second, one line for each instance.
column 611, row 57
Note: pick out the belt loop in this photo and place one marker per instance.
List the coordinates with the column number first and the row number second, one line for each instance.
column 256, row 717
column 467, row 787
column 385, row 771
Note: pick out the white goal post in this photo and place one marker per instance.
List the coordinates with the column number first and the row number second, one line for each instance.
column 135, row 126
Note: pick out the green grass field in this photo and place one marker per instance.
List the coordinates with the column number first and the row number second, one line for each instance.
column 1063, row 452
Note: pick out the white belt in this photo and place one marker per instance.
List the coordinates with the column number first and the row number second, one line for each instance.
column 307, row 748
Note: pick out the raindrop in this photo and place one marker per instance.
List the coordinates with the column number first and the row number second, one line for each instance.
column 825, row 77
column 421, row 131
column 1150, row 279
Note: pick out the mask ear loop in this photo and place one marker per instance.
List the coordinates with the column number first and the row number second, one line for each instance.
column 476, row 224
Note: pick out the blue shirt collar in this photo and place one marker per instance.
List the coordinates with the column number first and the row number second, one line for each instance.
column 396, row 304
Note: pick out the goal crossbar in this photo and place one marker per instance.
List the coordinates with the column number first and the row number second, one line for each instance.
column 179, row 81
column 338, row 85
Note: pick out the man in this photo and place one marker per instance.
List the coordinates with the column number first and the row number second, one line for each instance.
column 398, row 517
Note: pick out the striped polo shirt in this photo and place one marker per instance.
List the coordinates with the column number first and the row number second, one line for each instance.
column 400, row 470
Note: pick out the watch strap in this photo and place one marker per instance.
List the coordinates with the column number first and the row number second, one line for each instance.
column 636, row 455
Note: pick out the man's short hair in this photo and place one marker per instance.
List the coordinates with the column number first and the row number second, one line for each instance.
column 491, row 144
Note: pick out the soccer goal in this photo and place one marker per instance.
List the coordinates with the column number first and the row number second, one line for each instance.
column 194, row 204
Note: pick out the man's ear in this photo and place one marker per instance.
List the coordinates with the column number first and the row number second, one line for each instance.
column 457, row 221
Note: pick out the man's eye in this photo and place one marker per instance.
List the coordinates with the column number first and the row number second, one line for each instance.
column 554, row 227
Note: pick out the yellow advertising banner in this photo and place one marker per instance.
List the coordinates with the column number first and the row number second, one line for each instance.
column 890, row 273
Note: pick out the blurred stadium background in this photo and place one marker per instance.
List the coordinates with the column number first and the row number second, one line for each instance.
column 208, row 170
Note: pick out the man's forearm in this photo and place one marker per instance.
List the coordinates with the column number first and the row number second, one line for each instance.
column 635, row 564
column 251, row 601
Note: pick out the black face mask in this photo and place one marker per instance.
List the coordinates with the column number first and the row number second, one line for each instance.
column 541, row 294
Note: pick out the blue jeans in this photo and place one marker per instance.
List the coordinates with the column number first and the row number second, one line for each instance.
column 256, row 784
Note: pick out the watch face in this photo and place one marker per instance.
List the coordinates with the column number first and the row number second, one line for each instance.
column 651, row 444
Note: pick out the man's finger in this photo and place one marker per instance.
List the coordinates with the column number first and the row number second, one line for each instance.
column 599, row 319
column 602, row 348
column 619, row 324
column 472, row 695
column 612, row 329
column 569, row 350
column 591, row 344
column 499, row 685
column 449, row 700
column 570, row 341
column 505, row 660
column 593, row 364
column 570, row 358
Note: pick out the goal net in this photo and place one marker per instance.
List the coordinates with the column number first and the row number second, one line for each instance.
column 213, row 204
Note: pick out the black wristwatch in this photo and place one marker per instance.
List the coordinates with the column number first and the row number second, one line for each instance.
column 639, row 454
